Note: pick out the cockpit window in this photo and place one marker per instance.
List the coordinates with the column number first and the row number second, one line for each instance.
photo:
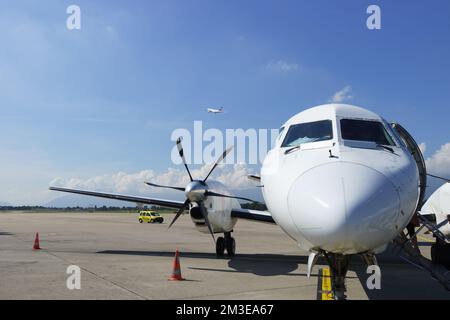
column 308, row 132
column 364, row 130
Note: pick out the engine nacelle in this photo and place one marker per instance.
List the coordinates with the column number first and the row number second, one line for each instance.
column 219, row 210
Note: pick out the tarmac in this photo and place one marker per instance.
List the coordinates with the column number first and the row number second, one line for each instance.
column 119, row 258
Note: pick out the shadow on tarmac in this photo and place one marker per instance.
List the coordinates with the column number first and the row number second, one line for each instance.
column 400, row 280
column 257, row 264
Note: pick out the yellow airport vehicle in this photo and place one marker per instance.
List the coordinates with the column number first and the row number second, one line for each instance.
column 150, row 217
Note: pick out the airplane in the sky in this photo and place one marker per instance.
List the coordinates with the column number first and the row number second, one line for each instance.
column 340, row 181
column 213, row 110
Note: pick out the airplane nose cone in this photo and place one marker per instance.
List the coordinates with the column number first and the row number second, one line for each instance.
column 344, row 207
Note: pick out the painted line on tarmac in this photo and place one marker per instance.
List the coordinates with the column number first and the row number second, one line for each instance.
column 426, row 239
column 324, row 290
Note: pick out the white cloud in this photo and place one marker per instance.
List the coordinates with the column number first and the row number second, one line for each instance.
column 423, row 147
column 233, row 176
column 342, row 95
column 282, row 66
column 439, row 162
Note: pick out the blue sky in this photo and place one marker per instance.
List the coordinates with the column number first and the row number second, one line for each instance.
column 105, row 99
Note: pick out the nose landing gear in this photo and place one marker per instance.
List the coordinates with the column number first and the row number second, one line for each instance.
column 338, row 266
column 226, row 243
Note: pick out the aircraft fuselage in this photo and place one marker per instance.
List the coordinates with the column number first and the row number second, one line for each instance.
column 340, row 195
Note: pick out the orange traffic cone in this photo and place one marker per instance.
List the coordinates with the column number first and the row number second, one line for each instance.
column 176, row 273
column 36, row 242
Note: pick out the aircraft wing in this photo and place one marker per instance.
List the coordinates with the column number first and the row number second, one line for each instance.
column 254, row 215
column 157, row 202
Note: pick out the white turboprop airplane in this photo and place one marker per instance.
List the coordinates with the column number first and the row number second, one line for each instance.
column 438, row 205
column 340, row 181
column 212, row 110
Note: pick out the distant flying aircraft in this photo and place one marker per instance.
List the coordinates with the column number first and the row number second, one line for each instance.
column 212, row 110
column 340, row 181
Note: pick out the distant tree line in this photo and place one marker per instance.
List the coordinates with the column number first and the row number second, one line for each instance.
column 249, row 205
column 77, row 208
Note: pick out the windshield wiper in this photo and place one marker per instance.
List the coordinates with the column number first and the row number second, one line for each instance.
column 385, row 147
column 292, row 149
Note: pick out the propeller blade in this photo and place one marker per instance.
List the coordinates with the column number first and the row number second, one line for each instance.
column 167, row 187
column 179, row 212
column 205, row 216
column 181, row 153
column 437, row 177
column 221, row 158
column 215, row 194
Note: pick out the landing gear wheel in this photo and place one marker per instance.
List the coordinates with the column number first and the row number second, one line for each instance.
column 231, row 246
column 220, row 246
column 338, row 266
